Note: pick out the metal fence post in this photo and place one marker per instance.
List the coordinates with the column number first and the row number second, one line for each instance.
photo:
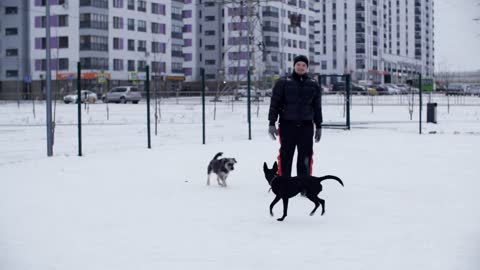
column 79, row 107
column 147, row 86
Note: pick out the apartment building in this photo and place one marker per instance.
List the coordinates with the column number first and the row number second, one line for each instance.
column 115, row 38
column 14, row 46
column 378, row 40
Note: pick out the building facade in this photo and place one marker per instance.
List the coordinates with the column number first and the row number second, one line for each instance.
column 376, row 40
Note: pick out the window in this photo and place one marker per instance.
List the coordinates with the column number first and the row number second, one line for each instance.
column 158, row 28
column 131, row 45
column 11, row 10
column 186, row 14
column 11, row 52
column 118, row 43
column 210, row 33
column 11, row 73
column 131, row 4
column 117, row 64
column 94, row 43
column 118, row 4
column 177, row 67
column 142, row 26
column 131, row 24
column 210, row 62
column 131, row 65
column 177, row 50
column 63, row 42
column 91, row 3
column 94, row 63
column 142, row 64
column 142, row 46
column 63, row 20
column 209, row 47
column 158, row 67
column 158, row 9
column 11, row 31
column 42, row 3
column 158, row 47
column 209, row 18
column 94, row 21
column 142, row 6
column 177, row 14
column 117, row 22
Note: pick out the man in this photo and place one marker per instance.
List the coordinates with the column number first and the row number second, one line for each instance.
column 296, row 99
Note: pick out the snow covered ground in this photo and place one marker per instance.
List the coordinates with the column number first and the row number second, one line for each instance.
column 410, row 201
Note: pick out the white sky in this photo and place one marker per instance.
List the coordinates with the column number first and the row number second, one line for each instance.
column 457, row 35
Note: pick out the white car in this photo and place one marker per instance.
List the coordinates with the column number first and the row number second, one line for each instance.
column 86, row 95
column 242, row 91
column 392, row 89
column 123, row 94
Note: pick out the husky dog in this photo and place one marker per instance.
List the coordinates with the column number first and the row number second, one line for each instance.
column 286, row 187
column 221, row 167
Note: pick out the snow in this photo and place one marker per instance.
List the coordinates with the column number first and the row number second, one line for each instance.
column 409, row 202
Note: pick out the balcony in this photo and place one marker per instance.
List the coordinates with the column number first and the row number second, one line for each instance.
column 177, row 54
column 270, row 29
column 177, row 17
column 94, row 25
column 270, row 14
column 178, row 35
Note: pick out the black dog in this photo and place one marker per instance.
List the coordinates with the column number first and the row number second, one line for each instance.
column 286, row 187
column 221, row 167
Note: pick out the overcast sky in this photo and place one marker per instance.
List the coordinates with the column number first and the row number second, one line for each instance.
column 457, row 35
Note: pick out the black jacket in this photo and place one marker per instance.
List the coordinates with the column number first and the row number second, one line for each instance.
column 296, row 98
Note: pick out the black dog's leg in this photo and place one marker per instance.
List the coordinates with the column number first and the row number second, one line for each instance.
column 322, row 202
column 315, row 200
column 275, row 201
column 285, row 209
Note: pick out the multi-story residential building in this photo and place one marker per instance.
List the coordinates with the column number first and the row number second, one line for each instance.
column 14, row 47
column 259, row 35
column 191, row 14
column 118, row 38
column 378, row 40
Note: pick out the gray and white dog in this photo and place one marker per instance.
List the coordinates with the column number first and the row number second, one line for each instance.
column 221, row 167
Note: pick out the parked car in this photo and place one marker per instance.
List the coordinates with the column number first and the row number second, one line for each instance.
column 242, row 91
column 455, row 89
column 381, row 89
column 358, row 89
column 403, row 88
column 85, row 95
column 473, row 90
column 392, row 89
column 123, row 94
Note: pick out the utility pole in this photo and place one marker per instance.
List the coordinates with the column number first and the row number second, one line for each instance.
column 49, row 83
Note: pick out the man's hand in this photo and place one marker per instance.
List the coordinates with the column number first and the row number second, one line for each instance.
column 272, row 131
column 318, row 134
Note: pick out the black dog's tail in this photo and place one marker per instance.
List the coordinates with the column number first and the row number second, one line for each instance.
column 330, row 177
column 217, row 155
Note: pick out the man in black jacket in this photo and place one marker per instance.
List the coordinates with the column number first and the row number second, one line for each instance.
column 296, row 99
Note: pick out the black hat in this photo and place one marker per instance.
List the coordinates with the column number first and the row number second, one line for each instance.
column 300, row 58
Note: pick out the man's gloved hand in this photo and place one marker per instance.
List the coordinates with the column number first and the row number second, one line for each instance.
column 318, row 134
column 272, row 131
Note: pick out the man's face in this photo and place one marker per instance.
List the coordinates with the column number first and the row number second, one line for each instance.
column 301, row 68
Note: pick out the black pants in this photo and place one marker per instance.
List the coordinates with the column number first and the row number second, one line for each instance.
column 295, row 135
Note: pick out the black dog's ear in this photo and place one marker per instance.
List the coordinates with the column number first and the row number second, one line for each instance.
column 275, row 166
column 265, row 168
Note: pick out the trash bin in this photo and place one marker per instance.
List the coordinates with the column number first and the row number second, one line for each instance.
column 432, row 113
